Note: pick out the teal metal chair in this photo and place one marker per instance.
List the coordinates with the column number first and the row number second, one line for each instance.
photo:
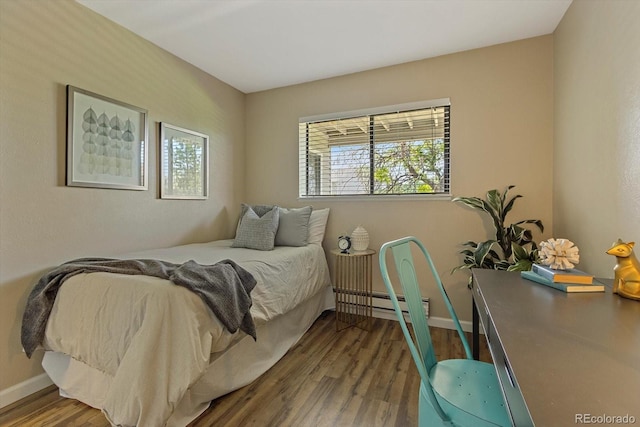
column 456, row 392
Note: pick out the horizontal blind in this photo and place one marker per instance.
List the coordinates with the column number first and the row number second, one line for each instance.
column 394, row 152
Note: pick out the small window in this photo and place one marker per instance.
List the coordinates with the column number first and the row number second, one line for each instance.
column 399, row 150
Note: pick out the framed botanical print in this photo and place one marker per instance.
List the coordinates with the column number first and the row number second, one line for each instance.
column 106, row 142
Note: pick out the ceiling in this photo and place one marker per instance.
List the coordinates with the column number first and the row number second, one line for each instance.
column 255, row 45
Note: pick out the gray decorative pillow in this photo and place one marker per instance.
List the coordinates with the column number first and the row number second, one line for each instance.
column 258, row 209
column 257, row 232
column 293, row 229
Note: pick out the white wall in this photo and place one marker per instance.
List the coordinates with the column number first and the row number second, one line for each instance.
column 596, row 184
column 43, row 47
column 501, row 134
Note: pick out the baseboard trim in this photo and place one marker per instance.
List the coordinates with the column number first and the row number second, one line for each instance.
column 21, row 390
column 436, row 322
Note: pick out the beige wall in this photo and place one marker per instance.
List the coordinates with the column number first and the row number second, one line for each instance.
column 43, row 47
column 501, row 134
column 597, row 128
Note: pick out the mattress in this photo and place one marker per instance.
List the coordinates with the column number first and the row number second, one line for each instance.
column 148, row 346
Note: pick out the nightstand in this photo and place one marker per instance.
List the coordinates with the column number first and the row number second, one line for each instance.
column 352, row 281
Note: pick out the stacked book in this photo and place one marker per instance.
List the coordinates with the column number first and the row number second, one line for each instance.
column 572, row 280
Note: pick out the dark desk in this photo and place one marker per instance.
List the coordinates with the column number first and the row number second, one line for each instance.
column 562, row 359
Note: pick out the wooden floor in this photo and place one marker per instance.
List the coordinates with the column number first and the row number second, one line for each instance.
column 347, row 378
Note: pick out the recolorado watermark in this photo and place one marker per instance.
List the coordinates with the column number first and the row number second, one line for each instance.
column 604, row 419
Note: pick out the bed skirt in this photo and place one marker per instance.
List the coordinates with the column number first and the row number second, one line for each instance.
column 242, row 363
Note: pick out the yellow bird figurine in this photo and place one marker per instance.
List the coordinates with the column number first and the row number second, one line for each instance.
column 626, row 281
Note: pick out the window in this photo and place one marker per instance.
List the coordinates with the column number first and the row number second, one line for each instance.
column 397, row 150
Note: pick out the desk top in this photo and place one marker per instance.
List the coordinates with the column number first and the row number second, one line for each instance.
column 570, row 353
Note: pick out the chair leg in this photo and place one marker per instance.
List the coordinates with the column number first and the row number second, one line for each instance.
column 427, row 415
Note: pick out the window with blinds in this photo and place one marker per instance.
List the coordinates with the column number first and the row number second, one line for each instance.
column 398, row 150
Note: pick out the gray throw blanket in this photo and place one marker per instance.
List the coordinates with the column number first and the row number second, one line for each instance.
column 225, row 287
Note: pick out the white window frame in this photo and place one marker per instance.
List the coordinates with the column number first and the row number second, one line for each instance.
column 304, row 152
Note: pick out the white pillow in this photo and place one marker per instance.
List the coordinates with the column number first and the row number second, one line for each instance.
column 317, row 225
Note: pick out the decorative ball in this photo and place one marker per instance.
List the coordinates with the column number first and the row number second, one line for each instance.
column 360, row 239
column 559, row 254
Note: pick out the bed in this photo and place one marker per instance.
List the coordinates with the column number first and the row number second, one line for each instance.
column 149, row 353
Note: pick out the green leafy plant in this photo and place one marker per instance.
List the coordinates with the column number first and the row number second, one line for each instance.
column 512, row 249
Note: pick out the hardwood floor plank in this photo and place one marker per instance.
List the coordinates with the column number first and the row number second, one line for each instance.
column 329, row 378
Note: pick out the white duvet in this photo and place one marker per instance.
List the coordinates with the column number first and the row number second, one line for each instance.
column 155, row 339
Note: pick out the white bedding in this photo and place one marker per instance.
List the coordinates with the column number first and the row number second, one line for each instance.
column 153, row 341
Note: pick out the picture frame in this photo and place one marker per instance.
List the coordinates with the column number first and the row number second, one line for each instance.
column 184, row 163
column 106, row 142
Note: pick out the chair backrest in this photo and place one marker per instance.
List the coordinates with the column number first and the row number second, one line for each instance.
column 423, row 355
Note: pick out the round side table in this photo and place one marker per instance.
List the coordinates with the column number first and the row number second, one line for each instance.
column 352, row 281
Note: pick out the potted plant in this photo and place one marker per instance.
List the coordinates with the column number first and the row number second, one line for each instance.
column 512, row 249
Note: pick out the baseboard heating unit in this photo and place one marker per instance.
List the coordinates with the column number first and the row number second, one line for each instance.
column 382, row 306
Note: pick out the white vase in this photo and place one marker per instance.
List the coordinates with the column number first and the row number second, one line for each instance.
column 360, row 239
